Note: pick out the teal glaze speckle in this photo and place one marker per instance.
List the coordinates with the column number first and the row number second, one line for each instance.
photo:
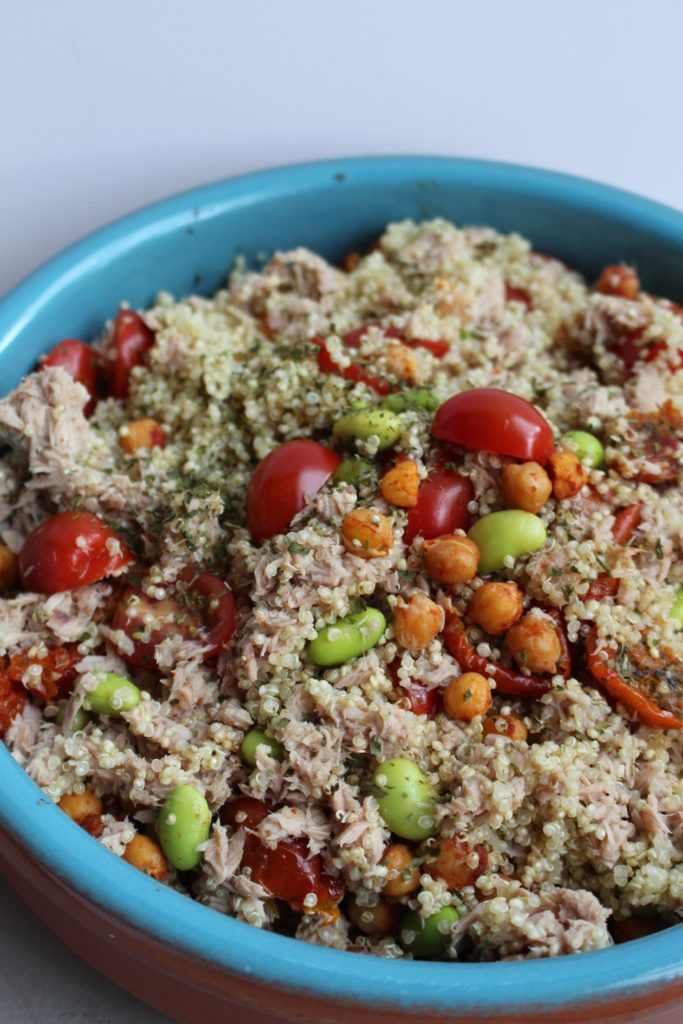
column 334, row 207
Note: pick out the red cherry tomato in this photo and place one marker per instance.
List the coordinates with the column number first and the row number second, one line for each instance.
column 281, row 484
column 354, row 372
column 201, row 609
column 423, row 701
column 491, row 420
column 57, row 671
column 70, row 549
column 76, row 358
column 12, row 701
column 288, row 872
column 441, row 506
column 132, row 338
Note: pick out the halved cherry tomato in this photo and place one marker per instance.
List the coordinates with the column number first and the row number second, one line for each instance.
column 507, row 681
column 491, row 420
column 442, row 502
column 57, row 671
column 288, row 872
column 12, row 701
column 638, row 682
column 282, row 483
column 202, row 609
column 68, row 550
column 76, row 358
column 132, row 338
column 514, row 294
column 420, row 700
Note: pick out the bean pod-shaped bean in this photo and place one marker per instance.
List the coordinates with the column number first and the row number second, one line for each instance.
column 586, row 447
column 355, row 471
column 347, row 638
column 258, row 738
column 81, row 718
column 360, row 424
column 427, row 939
column 503, row 535
column 677, row 608
column 419, row 399
column 112, row 696
column 405, row 798
column 183, row 823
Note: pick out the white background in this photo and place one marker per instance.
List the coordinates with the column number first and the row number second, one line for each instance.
column 105, row 106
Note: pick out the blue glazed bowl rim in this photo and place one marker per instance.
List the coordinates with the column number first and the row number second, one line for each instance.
column 275, row 960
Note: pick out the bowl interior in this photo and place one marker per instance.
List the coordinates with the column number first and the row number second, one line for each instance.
column 187, row 244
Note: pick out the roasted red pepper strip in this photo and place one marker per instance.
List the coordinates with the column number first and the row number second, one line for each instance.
column 357, row 374
column 507, row 681
column 625, row 523
column 645, row 707
column 12, row 701
column 623, row 529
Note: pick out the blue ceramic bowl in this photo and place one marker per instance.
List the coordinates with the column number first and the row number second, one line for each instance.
column 185, row 244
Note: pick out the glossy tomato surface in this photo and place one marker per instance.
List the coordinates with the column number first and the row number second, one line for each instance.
column 76, row 358
column 491, row 420
column 441, row 506
column 68, row 550
column 201, row 609
column 281, row 484
column 132, row 338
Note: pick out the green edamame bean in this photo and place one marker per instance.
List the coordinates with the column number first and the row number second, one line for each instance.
column 407, row 798
column 427, row 939
column 347, row 638
column 419, row 399
column 355, row 471
column 257, row 738
column 361, row 424
column 500, row 535
column 81, row 718
column 677, row 608
column 587, row 447
column 183, row 823
column 112, row 696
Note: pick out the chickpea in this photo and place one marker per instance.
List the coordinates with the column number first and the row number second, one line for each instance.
column 569, row 475
column 619, row 280
column 142, row 434
column 457, row 863
column 402, row 879
column 534, row 644
column 417, row 621
column 495, row 607
column 382, row 919
column 451, row 558
column 365, row 532
column 402, row 363
column 79, row 806
column 146, row 855
column 526, row 486
column 399, row 486
column 467, row 697
column 9, row 569
column 510, row 726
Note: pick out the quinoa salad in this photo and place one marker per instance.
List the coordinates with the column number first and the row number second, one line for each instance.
column 349, row 601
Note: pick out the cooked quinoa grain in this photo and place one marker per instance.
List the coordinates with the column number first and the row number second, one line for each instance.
column 544, row 825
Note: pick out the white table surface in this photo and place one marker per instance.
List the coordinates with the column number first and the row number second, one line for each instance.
column 106, row 106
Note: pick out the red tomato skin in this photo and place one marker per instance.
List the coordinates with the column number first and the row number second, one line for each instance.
column 132, row 338
column 69, row 550
column 423, row 701
column 12, row 701
column 76, row 358
column 441, row 506
column 281, row 482
column 492, row 420
column 211, row 629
